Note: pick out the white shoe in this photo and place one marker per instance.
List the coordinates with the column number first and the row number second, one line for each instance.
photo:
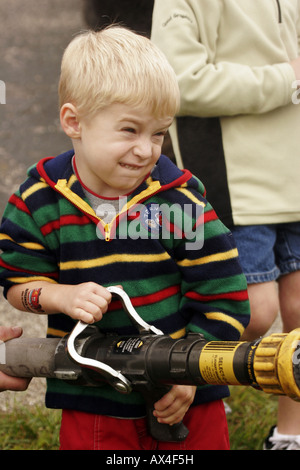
column 276, row 441
column 228, row 410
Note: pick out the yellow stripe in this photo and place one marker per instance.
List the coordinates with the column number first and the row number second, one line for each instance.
column 62, row 187
column 149, row 180
column 53, row 332
column 191, row 196
column 226, row 319
column 178, row 334
column 86, row 264
column 33, row 189
column 28, row 245
column 5, row 237
column 72, row 180
column 226, row 255
column 32, row 246
column 24, row 280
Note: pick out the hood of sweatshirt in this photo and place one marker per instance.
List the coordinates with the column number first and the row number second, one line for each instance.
column 58, row 173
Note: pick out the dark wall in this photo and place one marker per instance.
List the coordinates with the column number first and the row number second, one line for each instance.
column 136, row 14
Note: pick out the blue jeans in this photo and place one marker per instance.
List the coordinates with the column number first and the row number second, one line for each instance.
column 268, row 251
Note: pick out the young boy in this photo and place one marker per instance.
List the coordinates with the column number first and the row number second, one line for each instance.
column 113, row 211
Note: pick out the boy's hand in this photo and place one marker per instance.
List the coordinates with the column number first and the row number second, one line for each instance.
column 171, row 408
column 86, row 302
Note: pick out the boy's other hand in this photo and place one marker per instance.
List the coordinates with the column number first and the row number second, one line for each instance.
column 87, row 302
column 172, row 407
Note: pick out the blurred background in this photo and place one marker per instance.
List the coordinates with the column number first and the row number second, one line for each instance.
column 33, row 36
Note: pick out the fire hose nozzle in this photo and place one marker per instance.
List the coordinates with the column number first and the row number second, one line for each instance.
column 151, row 362
column 277, row 364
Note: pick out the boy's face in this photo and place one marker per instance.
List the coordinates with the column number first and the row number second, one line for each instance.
column 118, row 148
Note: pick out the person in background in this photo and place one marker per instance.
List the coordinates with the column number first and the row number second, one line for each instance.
column 238, row 69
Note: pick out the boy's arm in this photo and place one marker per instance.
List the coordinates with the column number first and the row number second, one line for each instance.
column 214, row 289
column 86, row 302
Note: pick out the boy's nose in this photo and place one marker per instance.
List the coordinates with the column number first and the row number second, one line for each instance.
column 143, row 148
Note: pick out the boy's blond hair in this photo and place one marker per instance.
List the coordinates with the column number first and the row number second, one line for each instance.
column 116, row 65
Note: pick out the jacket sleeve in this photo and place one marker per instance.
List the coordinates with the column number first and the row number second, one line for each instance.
column 214, row 289
column 24, row 254
column 187, row 31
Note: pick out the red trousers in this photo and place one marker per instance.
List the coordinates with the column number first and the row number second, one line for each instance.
column 207, row 426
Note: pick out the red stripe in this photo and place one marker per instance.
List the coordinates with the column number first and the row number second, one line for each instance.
column 18, row 269
column 172, row 228
column 209, row 216
column 18, row 203
column 42, row 172
column 142, row 300
column 186, row 175
column 64, row 220
column 238, row 296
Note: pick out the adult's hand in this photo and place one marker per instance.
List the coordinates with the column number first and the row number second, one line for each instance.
column 6, row 382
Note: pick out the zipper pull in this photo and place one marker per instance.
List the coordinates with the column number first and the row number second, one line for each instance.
column 107, row 232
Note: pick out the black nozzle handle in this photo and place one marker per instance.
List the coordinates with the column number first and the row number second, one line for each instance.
column 159, row 431
column 164, row 432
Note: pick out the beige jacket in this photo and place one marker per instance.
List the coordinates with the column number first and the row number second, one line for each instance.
column 231, row 58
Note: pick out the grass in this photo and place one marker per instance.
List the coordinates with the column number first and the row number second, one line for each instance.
column 253, row 414
column 37, row 428
column 34, row 428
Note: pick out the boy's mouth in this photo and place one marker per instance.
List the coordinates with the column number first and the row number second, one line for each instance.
column 130, row 167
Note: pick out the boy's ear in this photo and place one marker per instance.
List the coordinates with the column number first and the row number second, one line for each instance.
column 69, row 121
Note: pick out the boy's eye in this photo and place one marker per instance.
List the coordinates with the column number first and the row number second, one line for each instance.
column 129, row 129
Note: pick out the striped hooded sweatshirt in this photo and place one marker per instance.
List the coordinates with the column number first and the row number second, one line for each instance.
column 166, row 247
